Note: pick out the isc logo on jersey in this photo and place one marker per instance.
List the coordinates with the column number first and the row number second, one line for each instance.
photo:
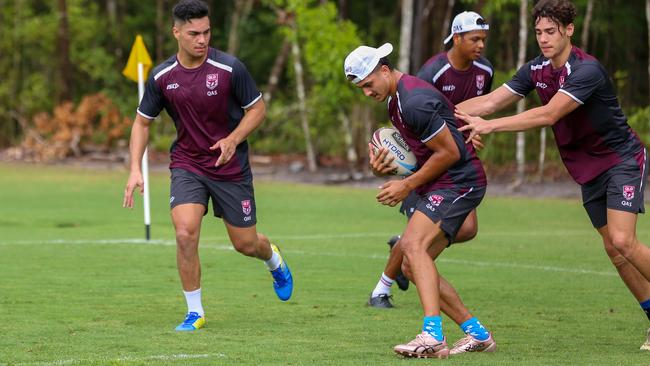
column 172, row 86
column 448, row 88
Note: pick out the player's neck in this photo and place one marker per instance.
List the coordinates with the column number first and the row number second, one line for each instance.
column 395, row 76
column 562, row 57
column 458, row 61
column 187, row 61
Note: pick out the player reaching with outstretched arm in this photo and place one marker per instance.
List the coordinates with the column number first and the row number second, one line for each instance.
column 450, row 182
column 215, row 105
column 599, row 149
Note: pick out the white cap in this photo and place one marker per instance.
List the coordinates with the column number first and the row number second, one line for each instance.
column 467, row 21
column 363, row 60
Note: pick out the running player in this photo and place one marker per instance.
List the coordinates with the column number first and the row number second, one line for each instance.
column 599, row 149
column 460, row 73
column 215, row 105
column 450, row 183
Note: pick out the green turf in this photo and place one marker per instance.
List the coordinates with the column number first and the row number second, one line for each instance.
column 76, row 290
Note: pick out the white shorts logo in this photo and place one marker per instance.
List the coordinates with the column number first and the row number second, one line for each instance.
column 436, row 199
column 246, row 207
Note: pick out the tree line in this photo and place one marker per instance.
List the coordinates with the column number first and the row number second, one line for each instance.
column 58, row 53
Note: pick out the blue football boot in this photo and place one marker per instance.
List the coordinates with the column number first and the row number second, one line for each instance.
column 282, row 279
column 193, row 321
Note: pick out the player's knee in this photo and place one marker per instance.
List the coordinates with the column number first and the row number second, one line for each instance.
column 610, row 249
column 618, row 260
column 406, row 269
column 411, row 248
column 263, row 238
column 185, row 236
column 622, row 242
column 466, row 233
column 245, row 246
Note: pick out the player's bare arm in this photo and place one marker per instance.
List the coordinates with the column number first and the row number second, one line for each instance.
column 487, row 104
column 559, row 106
column 137, row 146
column 445, row 154
column 252, row 119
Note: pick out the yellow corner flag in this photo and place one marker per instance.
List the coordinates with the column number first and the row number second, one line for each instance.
column 138, row 54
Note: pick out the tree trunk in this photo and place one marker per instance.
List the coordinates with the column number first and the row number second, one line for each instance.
column 276, row 70
column 420, row 47
column 10, row 121
column 542, row 154
column 239, row 15
column 302, row 104
column 584, row 39
column 63, row 87
column 521, row 106
column 406, row 29
column 114, row 28
column 343, row 9
column 647, row 16
column 366, row 114
column 417, row 37
column 161, row 30
column 446, row 23
column 349, row 145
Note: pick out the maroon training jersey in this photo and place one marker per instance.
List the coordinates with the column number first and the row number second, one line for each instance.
column 420, row 112
column 457, row 85
column 595, row 136
column 206, row 103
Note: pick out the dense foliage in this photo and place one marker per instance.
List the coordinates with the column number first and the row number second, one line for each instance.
column 96, row 38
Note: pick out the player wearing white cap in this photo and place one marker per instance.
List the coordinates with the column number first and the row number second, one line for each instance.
column 450, row 183
column 459, row 74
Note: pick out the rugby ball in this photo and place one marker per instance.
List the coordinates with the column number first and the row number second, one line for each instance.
column 390, row 139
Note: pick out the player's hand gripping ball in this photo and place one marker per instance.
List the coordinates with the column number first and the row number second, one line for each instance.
column 390, row 139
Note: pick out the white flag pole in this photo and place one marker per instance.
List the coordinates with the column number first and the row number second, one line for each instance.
column 145, row 162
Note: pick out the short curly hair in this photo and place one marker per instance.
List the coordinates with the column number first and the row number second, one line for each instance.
column 186, row 10
column 562, row 12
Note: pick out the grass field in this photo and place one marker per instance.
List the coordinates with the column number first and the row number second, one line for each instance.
column 79, row 286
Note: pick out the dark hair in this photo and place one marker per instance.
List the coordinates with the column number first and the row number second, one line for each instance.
column 384, row 61
column 186, row 10
column 562, row 12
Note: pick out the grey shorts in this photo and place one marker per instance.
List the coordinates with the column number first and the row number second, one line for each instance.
column 451, row 206
column 233, row 201
column 619, row 188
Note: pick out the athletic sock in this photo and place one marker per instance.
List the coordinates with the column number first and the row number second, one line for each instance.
column 474, row 328
column 383, row 286
column 433, row 326
column 193, row 299
column 646, row 307
column 273, row 262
